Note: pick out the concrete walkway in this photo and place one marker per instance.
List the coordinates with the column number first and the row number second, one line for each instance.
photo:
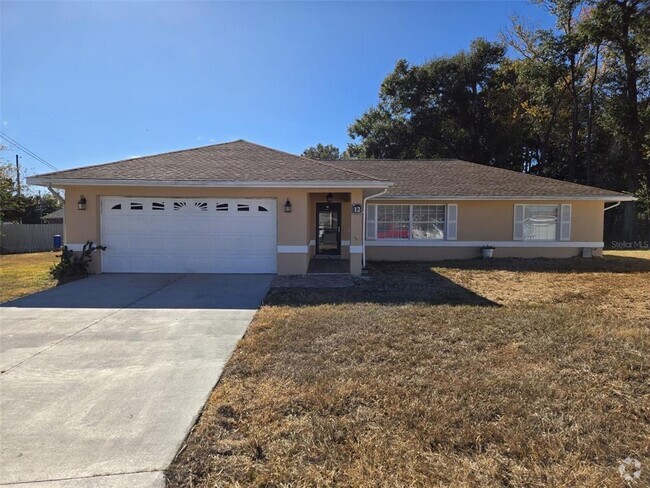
column 314, row 281
column 102, row 378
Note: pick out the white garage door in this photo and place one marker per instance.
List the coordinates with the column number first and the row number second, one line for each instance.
column 188, row 235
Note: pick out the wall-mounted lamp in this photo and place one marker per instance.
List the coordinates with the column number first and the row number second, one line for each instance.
column 330, row 198
column 81, row 204
column 287, row 206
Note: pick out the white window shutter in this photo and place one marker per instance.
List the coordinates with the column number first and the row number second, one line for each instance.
column 565, row 222
column 371, row 222
column 452, row 221
column 518, row 228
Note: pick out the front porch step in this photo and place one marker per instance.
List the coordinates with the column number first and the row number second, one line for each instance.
column 313, row 281
column 329, row 266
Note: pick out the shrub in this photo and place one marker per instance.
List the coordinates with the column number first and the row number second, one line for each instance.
column 74, row 265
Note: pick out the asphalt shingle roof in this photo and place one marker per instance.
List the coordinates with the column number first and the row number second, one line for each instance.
column 456, row 178
column 242, row 161
column 57, row 214
column 231, row 161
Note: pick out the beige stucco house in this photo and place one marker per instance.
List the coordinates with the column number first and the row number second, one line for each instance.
column 240, row 207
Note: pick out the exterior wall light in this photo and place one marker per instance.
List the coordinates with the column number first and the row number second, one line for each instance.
column 330, row 198
column 287, row 206
column 81, row 204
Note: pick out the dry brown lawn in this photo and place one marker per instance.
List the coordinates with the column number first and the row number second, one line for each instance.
column 467, row 373
column 22, row 274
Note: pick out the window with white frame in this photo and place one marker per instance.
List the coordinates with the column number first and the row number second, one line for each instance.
column 428, row 222
column 540, row 222
column 409, row 222
column 393, row 221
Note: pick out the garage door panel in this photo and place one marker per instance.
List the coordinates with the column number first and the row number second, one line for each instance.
column 119, row 244
column 186, row 235
column 111, row 226
column 178, row 242
column 118, row 262
column 203, row 245
column 139, row 246
column 259, row 247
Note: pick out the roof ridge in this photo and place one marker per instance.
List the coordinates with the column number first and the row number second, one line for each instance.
column 397, row 159
column 148, row 156
column 317, row 161
column 347, row 170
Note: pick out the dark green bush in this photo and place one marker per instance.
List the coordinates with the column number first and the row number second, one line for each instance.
column 74, row 265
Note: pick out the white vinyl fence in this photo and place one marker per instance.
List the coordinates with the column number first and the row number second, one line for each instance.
column 28, row 237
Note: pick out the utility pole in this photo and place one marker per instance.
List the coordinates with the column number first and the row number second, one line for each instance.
column 17, row 176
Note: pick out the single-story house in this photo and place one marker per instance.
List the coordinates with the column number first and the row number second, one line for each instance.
column 239, row 207
column 55, row 217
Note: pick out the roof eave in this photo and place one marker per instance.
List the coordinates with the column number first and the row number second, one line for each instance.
column 603, row 198
column 63, row 182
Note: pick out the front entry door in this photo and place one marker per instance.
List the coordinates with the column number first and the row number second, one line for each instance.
column 328, row 228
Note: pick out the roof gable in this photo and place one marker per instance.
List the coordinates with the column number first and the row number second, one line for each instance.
column 238, row 161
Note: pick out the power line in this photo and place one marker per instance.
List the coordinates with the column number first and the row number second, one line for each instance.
column 27, row 151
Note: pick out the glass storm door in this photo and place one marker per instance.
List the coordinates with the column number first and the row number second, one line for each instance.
column 328, row 228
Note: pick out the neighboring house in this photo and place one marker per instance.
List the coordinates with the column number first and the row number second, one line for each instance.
column 55, row 217
column 243, row 208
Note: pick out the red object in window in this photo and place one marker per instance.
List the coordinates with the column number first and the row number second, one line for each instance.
column 399, row 233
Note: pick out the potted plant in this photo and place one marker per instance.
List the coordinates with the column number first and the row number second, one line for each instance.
column 487, row 251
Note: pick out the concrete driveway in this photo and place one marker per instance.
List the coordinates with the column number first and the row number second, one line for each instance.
column 103, row 378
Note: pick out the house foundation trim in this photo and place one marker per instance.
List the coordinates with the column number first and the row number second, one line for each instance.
column 442, row 243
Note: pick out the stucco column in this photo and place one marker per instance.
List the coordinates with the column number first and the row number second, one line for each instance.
column 356, row 233
column 293, row 236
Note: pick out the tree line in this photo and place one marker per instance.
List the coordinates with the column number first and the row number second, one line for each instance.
column 23, row 207
column 571, row 102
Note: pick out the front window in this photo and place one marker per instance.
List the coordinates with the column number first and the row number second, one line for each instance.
column 393, row 221
column 428, row 222
column 540, row 222
column 409, row 222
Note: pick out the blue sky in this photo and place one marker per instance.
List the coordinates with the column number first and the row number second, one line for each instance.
column 90, row 82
